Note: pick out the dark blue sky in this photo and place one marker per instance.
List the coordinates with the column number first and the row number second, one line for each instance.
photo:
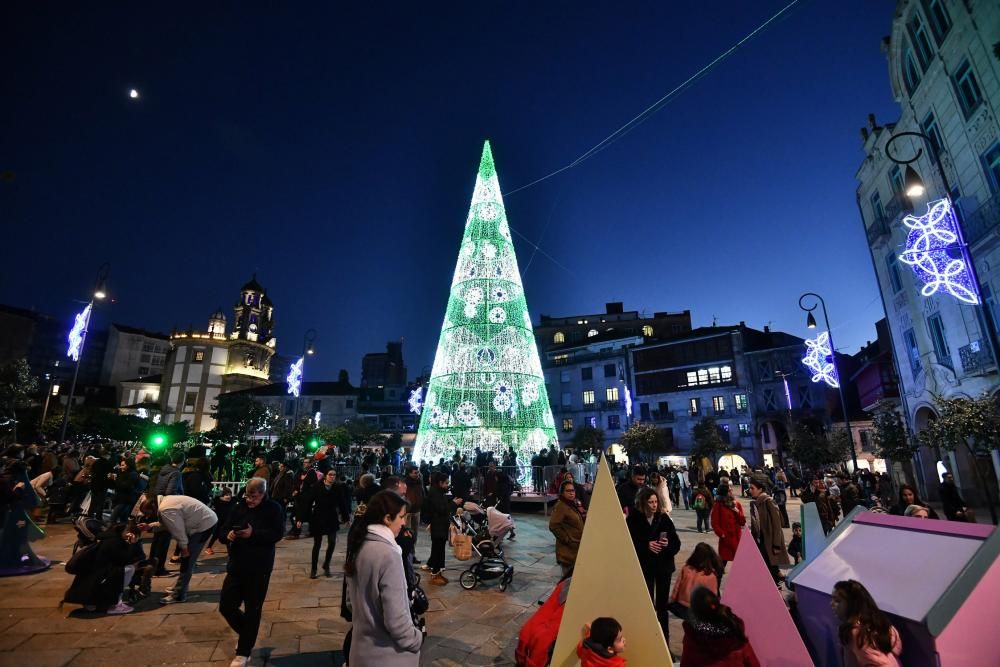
column 333, row 151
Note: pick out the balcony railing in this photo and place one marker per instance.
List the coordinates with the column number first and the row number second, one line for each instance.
column 658, row 416
column 611, row 405
column 976, row 357
column 983, row 220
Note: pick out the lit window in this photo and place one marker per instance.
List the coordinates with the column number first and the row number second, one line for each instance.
column 727, row 374
column 693, row 406
column 702, row 376
column 744, row 429
column 199, row 355
column 647, row 330
column 741, row 401
column 692, row 378
column 612, row 393
column 713, row 375
column 592, row 333
column 559, row 337
column 567, row 424
column 588, row 397
column 719, row 404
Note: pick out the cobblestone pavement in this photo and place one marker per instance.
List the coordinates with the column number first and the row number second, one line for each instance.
column 301, row 624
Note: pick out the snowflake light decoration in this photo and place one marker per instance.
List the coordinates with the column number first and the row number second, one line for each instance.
column 467, row 413
column 933, row 241
column 77, row 333
column 498, row 315
column 294, row 378
column 819, row 359
column 416, row 400
column 628, row 400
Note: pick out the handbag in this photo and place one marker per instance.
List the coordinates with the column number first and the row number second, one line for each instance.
column 462, row 545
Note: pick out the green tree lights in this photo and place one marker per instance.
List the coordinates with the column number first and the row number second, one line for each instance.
column 486, row 388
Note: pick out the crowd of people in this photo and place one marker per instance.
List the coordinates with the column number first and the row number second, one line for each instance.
column 150, row 501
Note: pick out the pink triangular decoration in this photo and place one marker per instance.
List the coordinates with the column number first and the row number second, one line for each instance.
column 752, row 595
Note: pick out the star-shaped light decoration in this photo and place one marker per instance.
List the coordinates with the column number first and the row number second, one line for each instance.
column 77, row 332
column 416, row 400
column 819, row 359
column 294, row 378
column 935, row 251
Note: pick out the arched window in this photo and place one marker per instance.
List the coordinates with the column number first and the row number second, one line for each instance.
column 591, row 333
column 911, row 72
column 560, row 337
column 647, row 330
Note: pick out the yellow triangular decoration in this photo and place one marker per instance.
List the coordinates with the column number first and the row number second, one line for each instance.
column 607, row 581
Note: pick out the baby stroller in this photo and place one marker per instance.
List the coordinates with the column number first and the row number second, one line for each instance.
column 491, row 563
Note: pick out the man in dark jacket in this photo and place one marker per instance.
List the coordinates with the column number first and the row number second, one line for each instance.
column 461, row 482
column 304, row 481
column 955, row 508
column 628, row 489
column 99, row 483
column 328, row 502
column 414, row 496
column 252, row 529
column 440, row 509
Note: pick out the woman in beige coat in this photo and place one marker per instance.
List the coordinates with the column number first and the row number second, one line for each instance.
column 566, row 523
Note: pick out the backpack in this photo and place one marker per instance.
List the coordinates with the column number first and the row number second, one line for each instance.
column 538, row 635
column 699, row 502
column 83, row 560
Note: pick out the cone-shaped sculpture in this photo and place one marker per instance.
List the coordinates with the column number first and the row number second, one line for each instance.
column 486, row 388
column 608, row 581
column 750, row 592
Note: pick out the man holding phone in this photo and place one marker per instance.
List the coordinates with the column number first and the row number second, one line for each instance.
column 254, row 525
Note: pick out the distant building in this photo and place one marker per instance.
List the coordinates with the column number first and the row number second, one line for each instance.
column 615, row 321
column 203, row 364
column 131, row 353
column 328, row 403
column 384, row 369
column 945, row 75
column 587, row 384
column 140, row 396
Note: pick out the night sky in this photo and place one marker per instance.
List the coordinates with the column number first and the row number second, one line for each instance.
column 333, row 150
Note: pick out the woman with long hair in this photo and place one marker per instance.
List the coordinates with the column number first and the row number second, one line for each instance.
column 703, row 569
column 908, row 496
column 566, row 523
column 866, row 635
column 383, row 632
column 714, row 635
column 655, row 540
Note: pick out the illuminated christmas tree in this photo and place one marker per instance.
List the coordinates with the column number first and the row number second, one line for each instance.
column 486, row 388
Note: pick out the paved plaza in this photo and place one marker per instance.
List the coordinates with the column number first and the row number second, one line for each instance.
column 301, row 624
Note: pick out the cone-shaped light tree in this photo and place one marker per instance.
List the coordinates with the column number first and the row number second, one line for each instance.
column 486, row 388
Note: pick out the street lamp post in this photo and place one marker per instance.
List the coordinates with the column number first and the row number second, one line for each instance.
column 307, row 349
column 811, row 324
column 914, row 187
column 100, row 292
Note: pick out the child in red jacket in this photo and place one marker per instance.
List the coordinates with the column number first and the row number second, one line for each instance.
column 602, row 642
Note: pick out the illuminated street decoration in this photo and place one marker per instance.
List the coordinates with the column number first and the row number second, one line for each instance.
column 416, row 400
column 77, row 333
column 486, row 388
column 316, row 420
column 141, row 413
column 156, row 418
column 628, row 401
column 294, row 378
column 819, row 359
column 935, row 250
